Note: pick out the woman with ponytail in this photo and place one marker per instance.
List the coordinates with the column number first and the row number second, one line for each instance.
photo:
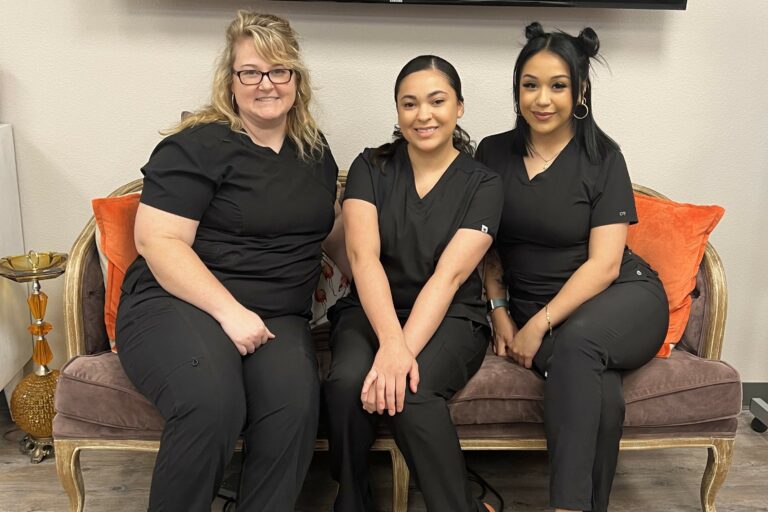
column 419, row 214
column 567, row 297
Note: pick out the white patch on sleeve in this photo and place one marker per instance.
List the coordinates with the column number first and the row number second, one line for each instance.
column 483, row 228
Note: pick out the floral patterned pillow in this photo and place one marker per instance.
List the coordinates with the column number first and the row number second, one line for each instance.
column 332, row 286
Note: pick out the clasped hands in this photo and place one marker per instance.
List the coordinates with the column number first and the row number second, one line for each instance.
column 519, row 345
column 384, row 386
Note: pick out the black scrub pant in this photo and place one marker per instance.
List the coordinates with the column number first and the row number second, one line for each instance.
column 423, row 431
column 180, row 358
column 621, row 328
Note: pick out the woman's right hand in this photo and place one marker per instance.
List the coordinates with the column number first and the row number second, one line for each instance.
column 246, row 329
column 393, row 365
column 504, row 330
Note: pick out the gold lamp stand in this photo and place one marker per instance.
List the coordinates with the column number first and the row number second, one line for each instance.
column 32, row 400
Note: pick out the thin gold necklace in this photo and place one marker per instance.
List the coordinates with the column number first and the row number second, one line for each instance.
column 547, row 162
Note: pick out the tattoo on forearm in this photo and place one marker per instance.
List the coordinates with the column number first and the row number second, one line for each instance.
column 493, row 267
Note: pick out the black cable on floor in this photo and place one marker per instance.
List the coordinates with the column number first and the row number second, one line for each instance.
column 486, row 487
column 9, row 432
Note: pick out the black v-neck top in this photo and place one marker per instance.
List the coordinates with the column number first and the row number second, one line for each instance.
column 415, row 230
column 545, row 226
column 263, row 215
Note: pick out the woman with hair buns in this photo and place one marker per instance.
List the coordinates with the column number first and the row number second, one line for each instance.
column 213, row 320
column 581, row 306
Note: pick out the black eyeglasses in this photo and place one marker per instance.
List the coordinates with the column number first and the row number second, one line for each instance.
column 254, row 76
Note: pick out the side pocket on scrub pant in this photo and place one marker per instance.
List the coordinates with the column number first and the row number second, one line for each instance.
column 165, row 388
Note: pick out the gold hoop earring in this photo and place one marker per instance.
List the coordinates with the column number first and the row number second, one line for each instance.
column 586, row 111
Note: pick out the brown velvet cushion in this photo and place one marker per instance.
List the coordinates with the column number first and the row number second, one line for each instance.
column 681, row 390
column 94, row 390
column 95, row 398
column 686, row 391
column 500, row 392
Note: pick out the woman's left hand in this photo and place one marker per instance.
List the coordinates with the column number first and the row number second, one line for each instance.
column 526, row 344
column 369, row 401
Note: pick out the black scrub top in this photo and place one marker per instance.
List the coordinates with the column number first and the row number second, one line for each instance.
column 414, row 231
column 262, row 215
column 545, row 225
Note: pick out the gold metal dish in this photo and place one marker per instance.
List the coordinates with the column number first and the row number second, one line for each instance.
column 33, row 266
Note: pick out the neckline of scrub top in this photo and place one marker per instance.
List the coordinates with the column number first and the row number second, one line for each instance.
column 522, row 173
column 412, row 178
column 248, row 141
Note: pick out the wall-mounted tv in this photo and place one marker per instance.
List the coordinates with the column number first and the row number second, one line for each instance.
column 613, row 4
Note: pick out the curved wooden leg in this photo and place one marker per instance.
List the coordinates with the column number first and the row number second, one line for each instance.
column 70, row 476
column 718, row 464
column 400, row 479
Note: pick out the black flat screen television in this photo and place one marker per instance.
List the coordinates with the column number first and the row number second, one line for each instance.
column 611, row 4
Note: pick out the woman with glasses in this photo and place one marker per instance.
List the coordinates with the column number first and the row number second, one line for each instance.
column 419, row 214
column 582, row 307
column 213, row 321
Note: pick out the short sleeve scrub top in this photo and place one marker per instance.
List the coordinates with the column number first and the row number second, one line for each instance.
column 415, row 230
column 545, row 226
column 262, row 215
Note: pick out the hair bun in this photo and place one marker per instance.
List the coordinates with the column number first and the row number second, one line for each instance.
column 589, row 41
column 534, row 30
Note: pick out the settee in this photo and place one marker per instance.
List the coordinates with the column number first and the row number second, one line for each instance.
column 690, row 399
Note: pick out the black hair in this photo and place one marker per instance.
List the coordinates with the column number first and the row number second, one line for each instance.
column 577, row 53
column 461, row 139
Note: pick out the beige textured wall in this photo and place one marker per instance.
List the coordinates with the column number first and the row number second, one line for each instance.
column 87, row 84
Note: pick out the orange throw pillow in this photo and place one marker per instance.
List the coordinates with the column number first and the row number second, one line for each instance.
column 672, row 238
column 115, row 217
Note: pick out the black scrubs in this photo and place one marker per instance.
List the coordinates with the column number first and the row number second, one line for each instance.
column 262, row 217
column 543, row 239
column 414, row 231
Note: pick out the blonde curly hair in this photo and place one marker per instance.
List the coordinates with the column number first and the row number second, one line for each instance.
column 276, row 42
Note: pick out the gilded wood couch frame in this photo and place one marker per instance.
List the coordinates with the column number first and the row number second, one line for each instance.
column 720, row 449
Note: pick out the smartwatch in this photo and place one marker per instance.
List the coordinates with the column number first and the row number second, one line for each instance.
column 497, row 303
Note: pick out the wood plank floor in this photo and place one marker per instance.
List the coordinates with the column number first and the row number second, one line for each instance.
column 658, row 480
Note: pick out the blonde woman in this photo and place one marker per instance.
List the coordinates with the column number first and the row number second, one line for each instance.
column 237, row 203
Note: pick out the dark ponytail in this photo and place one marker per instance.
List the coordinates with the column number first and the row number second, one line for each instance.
column 461, row 139
column 463, row 142
column 385, row 152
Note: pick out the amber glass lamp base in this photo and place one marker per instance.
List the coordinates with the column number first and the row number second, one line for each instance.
column 32, row 410
column 32, row 400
